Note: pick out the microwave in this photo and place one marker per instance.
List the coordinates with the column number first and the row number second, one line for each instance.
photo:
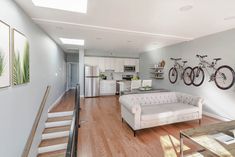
column 129, row 68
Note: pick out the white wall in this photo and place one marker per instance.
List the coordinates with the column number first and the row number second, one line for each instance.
column 217, row 101
column 19, row 104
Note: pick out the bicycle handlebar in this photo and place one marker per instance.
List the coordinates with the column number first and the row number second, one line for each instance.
column 201, row 56
column 176, row 59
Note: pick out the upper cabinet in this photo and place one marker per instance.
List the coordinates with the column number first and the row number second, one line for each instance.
column 116, row 64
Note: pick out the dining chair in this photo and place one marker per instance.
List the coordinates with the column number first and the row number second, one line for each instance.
column 147, row 83
column 135, row 84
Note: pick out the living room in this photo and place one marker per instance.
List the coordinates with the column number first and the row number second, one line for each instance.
column 117, row 78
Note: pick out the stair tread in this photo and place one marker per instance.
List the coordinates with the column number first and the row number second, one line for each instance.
column 56, row 119
column 59, row 153
column 56, row 129
column 55, row 141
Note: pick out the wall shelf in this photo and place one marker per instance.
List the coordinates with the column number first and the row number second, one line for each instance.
column 157, row 72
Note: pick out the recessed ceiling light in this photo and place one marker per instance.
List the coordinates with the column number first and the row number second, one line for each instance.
column 67, row 41
column 59, row 28
column 230, row 18
column 67, row 5
column 186, row 8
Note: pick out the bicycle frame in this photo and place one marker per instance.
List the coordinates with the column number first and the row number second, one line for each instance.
column 206, row 65
column 180, row 68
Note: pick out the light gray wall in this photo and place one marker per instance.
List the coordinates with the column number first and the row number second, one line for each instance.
column 110, row 54
column 72, row 57
column 19, row 105
column 81, row 71
column 217, row 101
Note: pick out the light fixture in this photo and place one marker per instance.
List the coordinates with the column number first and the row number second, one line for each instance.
column 67, row 41
column 229, row 18
column 186, row 8
column 67, row 5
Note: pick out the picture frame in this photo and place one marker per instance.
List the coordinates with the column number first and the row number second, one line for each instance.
column 5, row 80
column 20, row 59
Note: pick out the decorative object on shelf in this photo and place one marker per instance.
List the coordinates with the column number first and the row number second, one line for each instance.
column 186, row 73
column 4, row 55
column 21, row 64
column 162, row 63
column 158, row 70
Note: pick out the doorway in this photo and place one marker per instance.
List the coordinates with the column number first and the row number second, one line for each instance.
column 72, row 75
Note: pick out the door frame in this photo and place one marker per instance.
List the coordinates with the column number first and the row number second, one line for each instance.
column 68, row 74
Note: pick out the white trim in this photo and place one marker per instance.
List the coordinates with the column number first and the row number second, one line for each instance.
column 113, row 29
column 55, row 135
column 56, row 102
column 52, row 148
column 59, row 123
column 59, row 114
column 215, row 116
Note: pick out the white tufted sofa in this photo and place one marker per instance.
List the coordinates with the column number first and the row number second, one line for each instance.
column 154, row 109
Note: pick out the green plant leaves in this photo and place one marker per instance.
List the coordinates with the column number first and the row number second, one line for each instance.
column 26, row 63
column 21, row 71
column 1, row 64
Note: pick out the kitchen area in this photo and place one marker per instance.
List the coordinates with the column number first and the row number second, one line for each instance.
column 109, row 76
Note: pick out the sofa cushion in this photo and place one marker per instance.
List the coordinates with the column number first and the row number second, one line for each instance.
column 155, row 112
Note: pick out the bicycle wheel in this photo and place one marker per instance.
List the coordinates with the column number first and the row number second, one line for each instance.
column 188, row 76
column 173, row 75
column 199, row 76
column 224, row 77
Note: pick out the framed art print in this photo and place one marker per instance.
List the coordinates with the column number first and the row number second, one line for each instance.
column 20, row 59
column 4, row 55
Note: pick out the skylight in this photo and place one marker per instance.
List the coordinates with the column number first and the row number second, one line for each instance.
column 67, row 5
column 67, row 41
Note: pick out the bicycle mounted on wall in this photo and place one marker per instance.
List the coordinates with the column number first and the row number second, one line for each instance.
column 222, row 76
column 186, row 74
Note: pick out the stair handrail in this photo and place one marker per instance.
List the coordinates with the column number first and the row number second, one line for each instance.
column 73, row 134
column 36, row 123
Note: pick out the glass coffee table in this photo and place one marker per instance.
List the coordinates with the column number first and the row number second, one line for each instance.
column 217, row 140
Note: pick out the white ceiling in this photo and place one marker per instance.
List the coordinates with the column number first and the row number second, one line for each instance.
column 134, row 26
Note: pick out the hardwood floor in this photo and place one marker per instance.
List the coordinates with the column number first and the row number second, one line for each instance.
column 102, row 133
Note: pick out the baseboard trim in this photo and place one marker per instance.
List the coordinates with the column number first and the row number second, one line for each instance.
column 215, row 116
column 56, row 102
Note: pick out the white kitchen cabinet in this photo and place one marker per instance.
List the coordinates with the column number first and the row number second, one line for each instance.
column 119, row 65
column 116, row 64
column 109, row 63
column 107, row 87
column 130, row 62
column 137, row 65
column 92, row 61
column 101, row 64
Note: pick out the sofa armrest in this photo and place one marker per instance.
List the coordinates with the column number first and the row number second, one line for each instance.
column 132, row 106
column 190, row 99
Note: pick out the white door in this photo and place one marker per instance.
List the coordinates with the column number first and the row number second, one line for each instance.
column 72, row 75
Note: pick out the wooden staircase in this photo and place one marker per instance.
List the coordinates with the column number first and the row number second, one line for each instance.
column 55, row 136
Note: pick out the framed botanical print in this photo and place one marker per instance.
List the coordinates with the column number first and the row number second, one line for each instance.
column 4, row 55
column 20, row 59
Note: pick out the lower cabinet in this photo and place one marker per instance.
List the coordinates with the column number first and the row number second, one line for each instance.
column 107, row 87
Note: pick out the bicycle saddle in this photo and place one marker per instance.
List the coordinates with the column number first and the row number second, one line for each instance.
column 217, row 59
column 176, row 59
column 185, row 62
column 202, row 56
